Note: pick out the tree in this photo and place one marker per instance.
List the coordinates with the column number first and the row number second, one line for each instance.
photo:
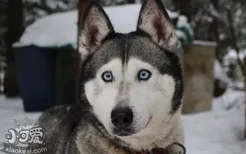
column 15, row 30
column 209, row 19
column 36, row 9
column 245, row 95
column 131, row 1
column 222, row 21
column 3, row 26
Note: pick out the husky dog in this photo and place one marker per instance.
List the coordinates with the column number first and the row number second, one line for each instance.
column 131, row 89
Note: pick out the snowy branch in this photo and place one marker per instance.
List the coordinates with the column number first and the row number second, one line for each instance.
column 212, row 12
column 234, row 38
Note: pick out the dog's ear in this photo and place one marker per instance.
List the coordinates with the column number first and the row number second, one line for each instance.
column 95, row 26
column 154, row 20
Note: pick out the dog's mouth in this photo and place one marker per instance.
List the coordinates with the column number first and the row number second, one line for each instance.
column 125, row 132
column 148, row 122
column 128, row 131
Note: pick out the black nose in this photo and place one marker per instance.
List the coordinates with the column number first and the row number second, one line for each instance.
column 122, row 117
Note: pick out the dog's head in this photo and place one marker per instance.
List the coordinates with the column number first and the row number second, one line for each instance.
column 131, row 81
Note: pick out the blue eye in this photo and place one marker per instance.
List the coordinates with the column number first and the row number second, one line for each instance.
column 107, row 76
column 144, row 75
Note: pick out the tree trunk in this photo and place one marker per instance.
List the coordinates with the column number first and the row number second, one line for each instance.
column 81, row 8
column 186, row 7
column 15, row 30
column 130, row 1
column 245, row 94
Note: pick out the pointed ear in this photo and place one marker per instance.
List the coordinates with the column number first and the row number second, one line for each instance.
column 95, row 26
column 154, row 20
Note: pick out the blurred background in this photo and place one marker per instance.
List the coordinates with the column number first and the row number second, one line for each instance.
column 39, row 63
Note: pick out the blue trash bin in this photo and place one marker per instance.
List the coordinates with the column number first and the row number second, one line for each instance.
column 36, row 75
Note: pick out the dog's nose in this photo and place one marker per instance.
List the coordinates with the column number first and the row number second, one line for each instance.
column 122, row 117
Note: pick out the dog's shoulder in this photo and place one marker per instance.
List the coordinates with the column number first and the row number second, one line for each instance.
column 70, row 129
column 61, row 116
column 59, row 124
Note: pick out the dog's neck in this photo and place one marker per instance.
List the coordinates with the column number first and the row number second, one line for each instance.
column 169, row 150
column 151, row 137
column 153, row 149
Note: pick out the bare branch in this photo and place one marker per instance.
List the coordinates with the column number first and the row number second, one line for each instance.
column 212, row 12
column 234, row 38
column 245, row 100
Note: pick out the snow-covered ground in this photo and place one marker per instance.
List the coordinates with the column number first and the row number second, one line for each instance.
column 217, row 132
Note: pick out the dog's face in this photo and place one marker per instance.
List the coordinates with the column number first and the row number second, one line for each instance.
column 132, row 81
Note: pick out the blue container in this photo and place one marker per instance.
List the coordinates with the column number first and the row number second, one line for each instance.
column 36, row 75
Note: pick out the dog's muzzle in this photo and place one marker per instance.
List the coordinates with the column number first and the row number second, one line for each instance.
column 122, row 119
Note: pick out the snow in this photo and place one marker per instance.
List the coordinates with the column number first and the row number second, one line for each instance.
column 204, row 43
column 33, row 1
column 219, row 73
column 11, row 109
column 54, row 30
column 54, row 4
column 231, row 57
column 237, row 84
column 219, row 131
column 61, row 28
column 215, row 133
column 231, row 100
column 181, row 34
column 62, row 6
column 183, row 22
column 40, row 12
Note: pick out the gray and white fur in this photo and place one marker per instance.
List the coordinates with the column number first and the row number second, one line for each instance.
column 131, row 88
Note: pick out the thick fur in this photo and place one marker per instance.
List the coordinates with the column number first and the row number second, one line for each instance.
column 156, row 103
